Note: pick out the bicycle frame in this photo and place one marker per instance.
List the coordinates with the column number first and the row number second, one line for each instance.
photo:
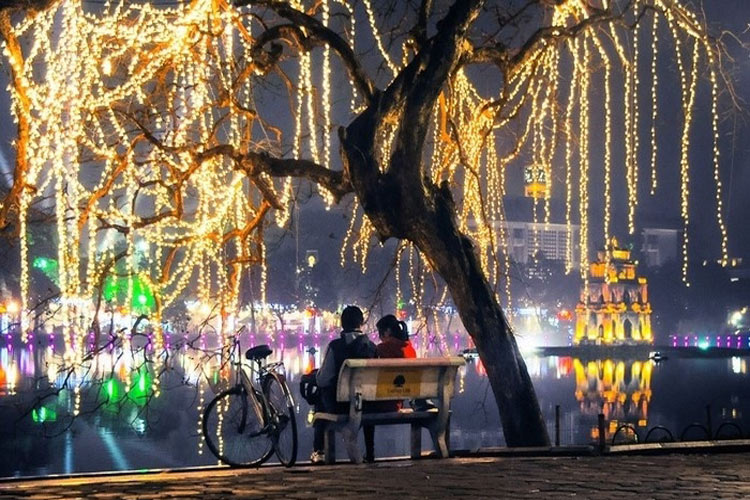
column 244, row 380
column 252, row 390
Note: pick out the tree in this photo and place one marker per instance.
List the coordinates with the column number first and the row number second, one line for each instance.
column 169, row 107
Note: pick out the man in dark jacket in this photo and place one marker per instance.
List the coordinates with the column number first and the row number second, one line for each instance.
column 352, row 344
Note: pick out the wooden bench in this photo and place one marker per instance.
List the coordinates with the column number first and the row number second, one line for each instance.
column 363, row 380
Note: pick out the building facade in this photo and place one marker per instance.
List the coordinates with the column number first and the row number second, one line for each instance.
column 530, row 240
column 614, row 307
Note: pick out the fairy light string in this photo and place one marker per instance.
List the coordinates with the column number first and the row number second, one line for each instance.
column 177, row 60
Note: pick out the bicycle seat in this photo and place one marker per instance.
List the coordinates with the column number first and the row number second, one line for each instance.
column 258, row 352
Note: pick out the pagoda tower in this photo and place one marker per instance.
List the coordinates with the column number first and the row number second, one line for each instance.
column 615, row 308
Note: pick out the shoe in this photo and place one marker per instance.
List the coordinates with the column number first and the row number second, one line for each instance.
column 423, row 405
column 317, row 457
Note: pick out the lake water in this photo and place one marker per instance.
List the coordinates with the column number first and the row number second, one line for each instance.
column 116, row 413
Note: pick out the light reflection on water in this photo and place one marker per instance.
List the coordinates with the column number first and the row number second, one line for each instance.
column 130, row 418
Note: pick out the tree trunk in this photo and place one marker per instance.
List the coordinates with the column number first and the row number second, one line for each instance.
column 453, row 256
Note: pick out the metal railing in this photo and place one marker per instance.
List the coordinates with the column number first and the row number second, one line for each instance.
column 628, row 433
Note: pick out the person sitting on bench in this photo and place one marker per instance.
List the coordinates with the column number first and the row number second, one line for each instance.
column 394, row 343
column 394, row 338
column 352, row 343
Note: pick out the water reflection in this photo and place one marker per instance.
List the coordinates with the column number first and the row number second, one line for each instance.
column 128, row 407
column 618, row 389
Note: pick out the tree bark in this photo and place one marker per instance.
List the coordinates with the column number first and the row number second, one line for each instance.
column 453, row 256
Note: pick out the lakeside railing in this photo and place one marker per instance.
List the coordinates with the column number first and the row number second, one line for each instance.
column 728, row 429
column 627, row 433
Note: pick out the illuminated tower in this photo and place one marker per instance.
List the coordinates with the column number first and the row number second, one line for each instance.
column 535, row 183
column 616, row 309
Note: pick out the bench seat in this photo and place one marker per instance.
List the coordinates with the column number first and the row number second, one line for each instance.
column 394, row 417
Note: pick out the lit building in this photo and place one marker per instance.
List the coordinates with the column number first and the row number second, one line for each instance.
column 535, row 183
column 529, row 237
column 614, row 308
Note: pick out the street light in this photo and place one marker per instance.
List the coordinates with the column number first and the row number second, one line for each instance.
column 12, row 307
column 311, row 256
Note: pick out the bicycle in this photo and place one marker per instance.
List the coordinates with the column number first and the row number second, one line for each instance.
column 245, row 424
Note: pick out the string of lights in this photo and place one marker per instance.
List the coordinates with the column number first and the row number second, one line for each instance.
column 138, row 88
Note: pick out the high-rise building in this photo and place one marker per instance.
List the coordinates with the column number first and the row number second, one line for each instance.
column 532, row 240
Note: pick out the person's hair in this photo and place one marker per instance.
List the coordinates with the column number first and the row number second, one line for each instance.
column 397, row 328
column 352, row 318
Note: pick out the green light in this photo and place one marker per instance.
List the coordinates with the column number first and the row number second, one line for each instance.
column 43, row 414
column 48, row 267
column 111, row 391
column 116, row 288
column 143, row 298
column 141, row 387
column 703, row 345
column 111, row 289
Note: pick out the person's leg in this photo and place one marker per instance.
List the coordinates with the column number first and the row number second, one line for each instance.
column 318, row 436
column 326, row 404
column 369, row 431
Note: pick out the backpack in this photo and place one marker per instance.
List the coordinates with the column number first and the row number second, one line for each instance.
column 308, row 388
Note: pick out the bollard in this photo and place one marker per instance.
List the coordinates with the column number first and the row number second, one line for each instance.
column 602, row 436
column 557, row 425
column 708, row 421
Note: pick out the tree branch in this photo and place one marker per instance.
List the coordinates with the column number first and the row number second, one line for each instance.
column 255, row 163
column 319, row 33
column 427, row 74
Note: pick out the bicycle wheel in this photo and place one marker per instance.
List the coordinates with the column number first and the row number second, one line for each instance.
column 281, row 412
column 233, row 430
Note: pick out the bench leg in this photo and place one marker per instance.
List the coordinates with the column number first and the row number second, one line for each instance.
column 369, row 431
column 330, row 445
column 438, row 439
column 448, row 435
column 352, row 448
column 416, row 441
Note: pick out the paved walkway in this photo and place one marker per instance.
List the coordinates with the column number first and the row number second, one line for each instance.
column 671, row 476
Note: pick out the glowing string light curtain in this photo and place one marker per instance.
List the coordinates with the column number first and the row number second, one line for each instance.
column 123, row 107
column 123, row 110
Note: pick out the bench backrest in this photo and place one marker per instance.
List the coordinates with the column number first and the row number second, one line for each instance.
column 396, row 379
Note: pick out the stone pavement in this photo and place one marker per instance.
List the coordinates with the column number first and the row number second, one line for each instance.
column 667, row 476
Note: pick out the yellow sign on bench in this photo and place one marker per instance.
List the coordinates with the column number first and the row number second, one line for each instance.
column 399, row 382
